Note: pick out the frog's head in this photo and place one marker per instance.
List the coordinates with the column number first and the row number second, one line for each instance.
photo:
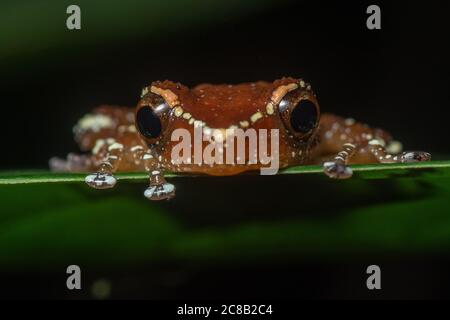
column 288, row 105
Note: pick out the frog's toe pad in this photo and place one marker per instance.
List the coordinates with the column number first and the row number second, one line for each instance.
column 160, row 192
column 337, row 170
column 100, row 180
column 416, row 156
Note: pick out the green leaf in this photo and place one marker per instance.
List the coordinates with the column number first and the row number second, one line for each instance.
column 364, row 171
column 48, row 220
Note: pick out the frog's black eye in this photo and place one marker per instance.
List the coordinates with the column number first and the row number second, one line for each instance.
column 304, row 116
column 152, row 118
column 148, row 123
column 299, row 112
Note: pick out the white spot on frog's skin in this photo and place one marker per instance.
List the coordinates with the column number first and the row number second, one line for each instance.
column 98, row 145
column 374, row 142
column 123, row 128
column 269, row 108
column 147, row 156
column 244, row 124
column 136, row 148
column 94, row 122
column 349, row 121
column 144, row 92
column 170, row 97
column 256, row 116
column 198, row 123
column 394, row 147
column 350, row 145
column 281, row 91
column 115, row 146
column 186, row 115
column 191, row 121
column 178, row 111
column 379, row 142
column 302, row 84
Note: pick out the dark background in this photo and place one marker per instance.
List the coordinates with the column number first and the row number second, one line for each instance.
column 396, row 78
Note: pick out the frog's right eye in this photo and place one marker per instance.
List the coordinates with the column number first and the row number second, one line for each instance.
column 300, row 113
column 152, row 117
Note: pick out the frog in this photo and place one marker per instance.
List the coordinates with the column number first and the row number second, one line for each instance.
column 126, row 139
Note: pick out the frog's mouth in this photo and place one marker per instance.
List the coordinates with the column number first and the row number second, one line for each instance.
column 219, row 149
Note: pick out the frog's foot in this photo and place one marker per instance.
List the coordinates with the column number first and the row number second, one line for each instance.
column 383, row 156
column 73, row 163
column 337, row 170
column 100, row 180
column 103, row 178
column 161, row 191
column 415, row 156
column 159, row 188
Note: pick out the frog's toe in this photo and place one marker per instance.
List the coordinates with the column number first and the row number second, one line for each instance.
column 337, row 170
column 100, row 180
column 160, row 191
column 415, row 156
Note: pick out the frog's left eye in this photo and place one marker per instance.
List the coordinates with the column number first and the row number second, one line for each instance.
column 152, row 116
column 148, row 123
column 299, row 113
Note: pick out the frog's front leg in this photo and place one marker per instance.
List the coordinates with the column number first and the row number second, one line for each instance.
column 159, row 188
column 354, row 142
column 338, row 167
column 383, row 156
column 104, row 178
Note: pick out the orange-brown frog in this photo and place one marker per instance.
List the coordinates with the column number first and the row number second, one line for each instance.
column 148, row 138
